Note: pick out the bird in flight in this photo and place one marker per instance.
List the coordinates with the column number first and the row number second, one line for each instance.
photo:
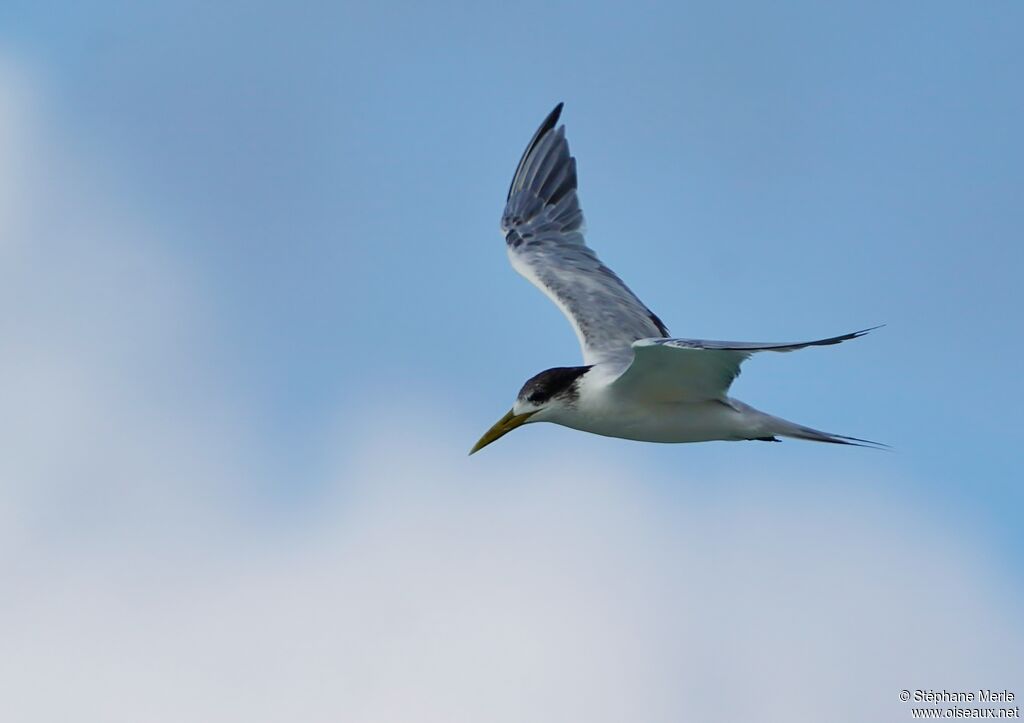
column 636, row 381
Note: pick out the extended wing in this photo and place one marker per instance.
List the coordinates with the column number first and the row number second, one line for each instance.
column 543, row 227
column 690, row 370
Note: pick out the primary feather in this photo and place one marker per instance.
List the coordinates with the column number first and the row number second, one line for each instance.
column 543, row 227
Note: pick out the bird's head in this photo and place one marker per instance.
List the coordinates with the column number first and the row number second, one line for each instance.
column 541, row 399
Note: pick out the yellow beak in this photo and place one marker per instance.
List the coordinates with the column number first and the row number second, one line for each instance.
column 502, row 427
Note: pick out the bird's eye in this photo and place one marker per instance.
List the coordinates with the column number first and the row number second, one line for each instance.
column 534, row 398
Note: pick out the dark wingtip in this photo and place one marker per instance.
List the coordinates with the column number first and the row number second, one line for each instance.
column 845, row 337
column 862, row 332
column 553, row 117
column 548, row 124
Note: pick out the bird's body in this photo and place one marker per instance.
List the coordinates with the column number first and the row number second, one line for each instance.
column 636, row 382
column 601, row 410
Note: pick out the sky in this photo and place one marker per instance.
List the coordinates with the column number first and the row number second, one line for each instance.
column 256, row 309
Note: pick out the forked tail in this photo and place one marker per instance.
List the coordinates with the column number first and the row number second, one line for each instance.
column 767, row 428
column 798, row 431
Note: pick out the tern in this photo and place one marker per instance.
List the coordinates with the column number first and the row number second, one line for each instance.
column 636, row 382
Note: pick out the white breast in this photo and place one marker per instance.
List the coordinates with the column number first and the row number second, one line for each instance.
column 600, row 410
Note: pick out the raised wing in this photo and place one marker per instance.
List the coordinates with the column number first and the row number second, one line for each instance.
column 690, row 370
column 543, row 227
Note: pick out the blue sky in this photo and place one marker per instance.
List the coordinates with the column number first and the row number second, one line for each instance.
column 260, row 229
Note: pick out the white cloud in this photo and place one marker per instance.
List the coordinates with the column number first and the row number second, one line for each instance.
column 105, row 394
column 439, row 589
column 432, row 587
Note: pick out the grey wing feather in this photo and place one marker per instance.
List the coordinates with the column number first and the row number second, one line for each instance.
column 543, row 227
column 752, row 346
column 698, row 369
